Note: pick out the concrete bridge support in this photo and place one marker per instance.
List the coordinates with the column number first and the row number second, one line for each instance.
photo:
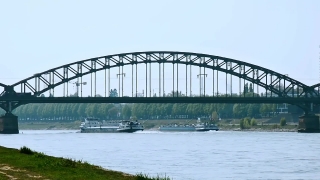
column 9, row 124
column 309, row 123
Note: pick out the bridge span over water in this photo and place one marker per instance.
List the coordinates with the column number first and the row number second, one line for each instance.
column 159, row 77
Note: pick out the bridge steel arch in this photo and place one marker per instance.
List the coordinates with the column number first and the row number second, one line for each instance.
column 256, row 74
column 266, row 78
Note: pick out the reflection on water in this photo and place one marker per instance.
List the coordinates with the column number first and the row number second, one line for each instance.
column 185, row 155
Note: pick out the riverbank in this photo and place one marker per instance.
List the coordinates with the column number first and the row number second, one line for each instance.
column 152, row 125
column 261, row 128
column 27, row 164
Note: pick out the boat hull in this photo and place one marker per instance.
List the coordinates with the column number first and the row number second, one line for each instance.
column 129, row 130
column 108, row 130
column 99, row 130
column 186, row 129
column 209, row 129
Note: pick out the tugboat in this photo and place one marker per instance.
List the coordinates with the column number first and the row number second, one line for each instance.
column 129, row 126
column 95, row 125
column 205, row 126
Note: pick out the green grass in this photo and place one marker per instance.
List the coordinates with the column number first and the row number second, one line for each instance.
column 141, row 176
column 27, row 164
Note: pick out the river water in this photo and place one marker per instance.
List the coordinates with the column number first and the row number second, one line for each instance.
column 185, row 155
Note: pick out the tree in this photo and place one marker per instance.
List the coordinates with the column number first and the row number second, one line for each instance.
column 113, row 93
column 82, row 110
column 263, row 109
column 126, row 111
column 240, row 110
column 113, row 112
column 214, row 116
column 283, row 121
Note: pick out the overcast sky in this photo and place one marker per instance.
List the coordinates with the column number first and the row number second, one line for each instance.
column 281, row 35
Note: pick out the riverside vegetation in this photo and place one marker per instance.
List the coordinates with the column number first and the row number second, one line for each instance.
column 27, row 164
column 248, row 124
column 74, row 111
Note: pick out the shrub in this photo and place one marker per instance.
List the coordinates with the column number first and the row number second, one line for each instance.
column 69, row 162
column 39, row 155
column 242, row 124
column 26, row 150
column 253, row 122
column 141, row 176
column 283, row 121
column 245, row 123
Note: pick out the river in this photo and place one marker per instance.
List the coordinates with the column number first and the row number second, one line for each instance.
column 185, row 155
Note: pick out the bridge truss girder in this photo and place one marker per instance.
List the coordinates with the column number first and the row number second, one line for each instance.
column 259, row 76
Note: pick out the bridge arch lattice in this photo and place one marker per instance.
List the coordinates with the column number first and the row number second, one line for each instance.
column 273, row 82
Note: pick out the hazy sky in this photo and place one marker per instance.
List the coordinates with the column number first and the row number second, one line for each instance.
column 281, row 35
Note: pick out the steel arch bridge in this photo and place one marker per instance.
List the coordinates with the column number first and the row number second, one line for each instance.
column 276, row 87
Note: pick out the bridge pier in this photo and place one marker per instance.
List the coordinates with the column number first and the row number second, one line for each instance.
column 9, row 124
column 309, row 123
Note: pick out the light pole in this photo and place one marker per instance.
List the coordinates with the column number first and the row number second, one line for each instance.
column 77, row 86
column 118, row 76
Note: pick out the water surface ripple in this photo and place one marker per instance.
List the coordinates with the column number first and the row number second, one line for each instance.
column 185, row 156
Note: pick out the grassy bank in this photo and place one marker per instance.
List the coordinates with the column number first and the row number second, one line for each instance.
column 26, row 164
column 45, row 125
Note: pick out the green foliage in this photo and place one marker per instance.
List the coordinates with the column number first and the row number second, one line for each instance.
column 126, row 111
column 253, row 122
column 75, row 111
column 141, row 176
column 245, row 123
column 26, row 150
column 283, row 121
column 275, row 126
column 39, row 155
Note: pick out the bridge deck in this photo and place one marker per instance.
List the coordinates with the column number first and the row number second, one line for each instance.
column 158, row 100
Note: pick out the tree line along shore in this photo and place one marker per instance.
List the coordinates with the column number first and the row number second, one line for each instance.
column 76, row 111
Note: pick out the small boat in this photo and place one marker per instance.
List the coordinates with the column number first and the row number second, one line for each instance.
column 95, row 125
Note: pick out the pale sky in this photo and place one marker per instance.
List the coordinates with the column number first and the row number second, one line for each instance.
column 281, row 35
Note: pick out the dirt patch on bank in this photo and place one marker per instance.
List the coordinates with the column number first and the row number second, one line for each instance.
column 12, row 173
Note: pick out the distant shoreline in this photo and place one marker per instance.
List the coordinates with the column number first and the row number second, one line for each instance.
column 153, row 125
column 261, row 130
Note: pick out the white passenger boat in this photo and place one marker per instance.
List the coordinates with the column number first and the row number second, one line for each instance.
column 95, row 125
